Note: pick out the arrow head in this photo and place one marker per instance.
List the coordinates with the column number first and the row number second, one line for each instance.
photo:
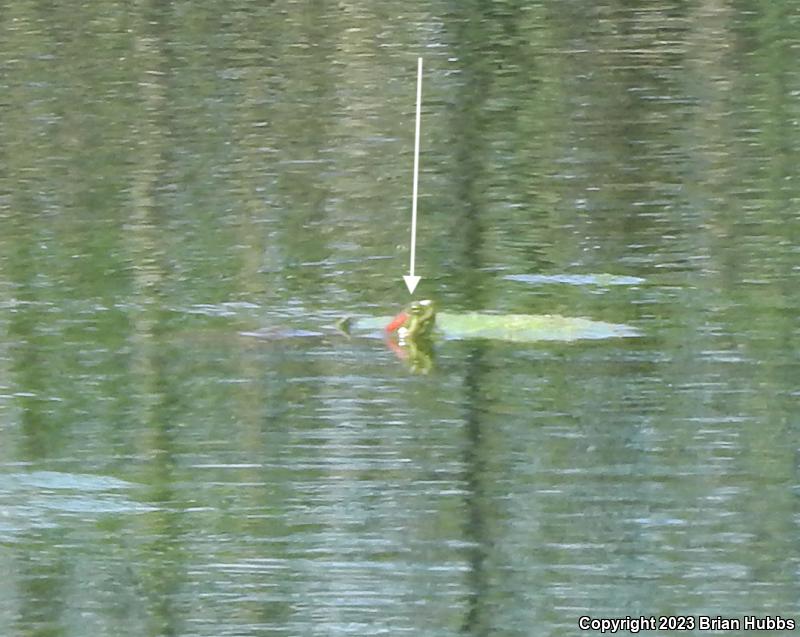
column 411, row 282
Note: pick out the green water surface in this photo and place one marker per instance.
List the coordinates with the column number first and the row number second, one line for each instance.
column 174, row 174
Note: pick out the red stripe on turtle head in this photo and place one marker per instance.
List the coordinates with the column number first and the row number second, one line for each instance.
column 397, row 321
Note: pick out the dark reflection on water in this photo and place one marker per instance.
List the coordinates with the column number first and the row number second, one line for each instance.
column 175, row 176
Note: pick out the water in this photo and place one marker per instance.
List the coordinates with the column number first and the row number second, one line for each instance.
column 174, row 176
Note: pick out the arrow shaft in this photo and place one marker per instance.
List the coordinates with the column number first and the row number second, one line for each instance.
column 414, row 189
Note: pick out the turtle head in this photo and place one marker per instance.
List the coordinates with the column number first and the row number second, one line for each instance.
column 415, row 322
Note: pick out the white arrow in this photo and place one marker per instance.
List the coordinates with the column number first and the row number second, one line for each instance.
column 410, row 279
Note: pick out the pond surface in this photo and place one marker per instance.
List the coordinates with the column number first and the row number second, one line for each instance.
column 174, row 175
